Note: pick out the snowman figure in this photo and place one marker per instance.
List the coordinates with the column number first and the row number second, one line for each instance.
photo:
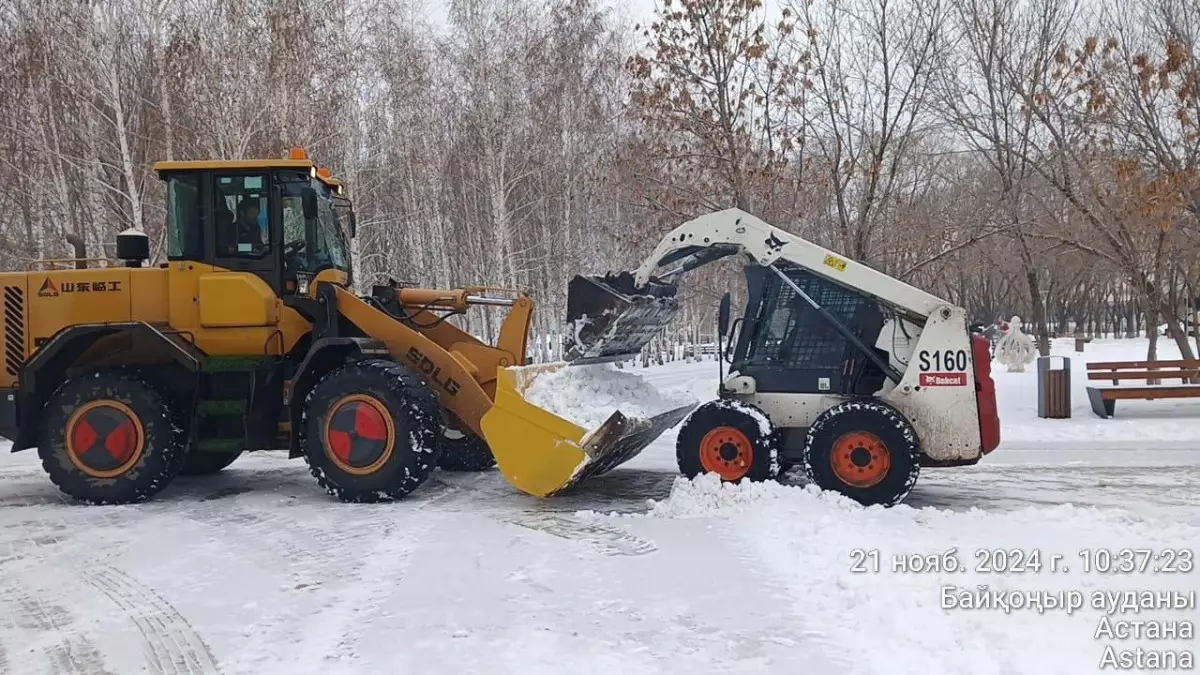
column 1015, row 349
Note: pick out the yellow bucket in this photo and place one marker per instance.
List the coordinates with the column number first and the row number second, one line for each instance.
column 541, row 453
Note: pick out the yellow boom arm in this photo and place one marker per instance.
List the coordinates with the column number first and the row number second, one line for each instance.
column 460, row 369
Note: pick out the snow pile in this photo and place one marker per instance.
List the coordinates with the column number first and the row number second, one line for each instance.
column 819, row 547
column 576, row 326
column 708, row 495
column 589, row 395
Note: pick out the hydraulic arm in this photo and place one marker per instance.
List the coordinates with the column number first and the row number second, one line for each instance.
column 613, row 317
column 735, row 231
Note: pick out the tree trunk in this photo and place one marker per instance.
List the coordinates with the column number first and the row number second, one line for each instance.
column 1152, row 335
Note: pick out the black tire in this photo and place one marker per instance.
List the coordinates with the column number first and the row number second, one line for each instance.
column 203, row 463
column 866, row 450
column 390, row 441
column 464, row 451
column 110, row 437
column 730, row 438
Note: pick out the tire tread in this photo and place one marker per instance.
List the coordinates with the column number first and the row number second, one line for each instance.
column 880, row 418
column 161, row 461
column 748, row 418
column 423, row 442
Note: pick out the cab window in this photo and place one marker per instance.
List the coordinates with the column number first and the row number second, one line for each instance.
column 330, row 241
column 185, row 231
column 241, row 216
column 311, row 245
column 294, row 232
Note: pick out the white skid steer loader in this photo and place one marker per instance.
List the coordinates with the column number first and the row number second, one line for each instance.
column 858, row 377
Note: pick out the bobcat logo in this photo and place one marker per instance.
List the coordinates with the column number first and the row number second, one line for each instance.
column 48, row 289
column 774, row 243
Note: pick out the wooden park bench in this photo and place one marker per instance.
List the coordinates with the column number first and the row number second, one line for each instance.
column 1104, row 398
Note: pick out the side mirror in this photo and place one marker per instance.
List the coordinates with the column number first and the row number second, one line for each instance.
column 723, row 315
column 309, row 198
column 353, row 225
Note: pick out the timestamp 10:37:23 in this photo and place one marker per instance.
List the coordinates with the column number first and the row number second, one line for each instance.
column 1026, row 561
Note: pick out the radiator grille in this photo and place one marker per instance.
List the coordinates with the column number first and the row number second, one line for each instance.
column 14, row 329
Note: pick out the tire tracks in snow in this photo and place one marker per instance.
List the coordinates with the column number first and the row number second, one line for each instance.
column 718, row 607
column 38, row 498
column 170, row 644
column 605, row 539
column 338, row 556
column 68, row 652
column 277, row 538
column 554, row 518
column 791, row 632
column 334, row 637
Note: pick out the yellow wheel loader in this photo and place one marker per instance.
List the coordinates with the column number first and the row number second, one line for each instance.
column 249, row 337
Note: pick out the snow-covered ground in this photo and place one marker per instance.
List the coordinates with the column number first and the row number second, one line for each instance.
column 257, row 571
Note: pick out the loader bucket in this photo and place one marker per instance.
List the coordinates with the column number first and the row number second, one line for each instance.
column 608, row 319
column 543, row 454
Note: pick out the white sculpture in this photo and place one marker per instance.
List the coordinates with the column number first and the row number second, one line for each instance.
column 1015, row 349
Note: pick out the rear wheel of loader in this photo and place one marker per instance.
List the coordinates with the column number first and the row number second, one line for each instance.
column 203, row 463
column 730, row 438
column 463, row 450
column 865, row 450
column 109, row 437
column 371, row 431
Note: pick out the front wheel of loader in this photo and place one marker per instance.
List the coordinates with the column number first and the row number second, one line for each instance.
column 371, row 431
column 730, row 438
column 110, row 437
column 464, row 451
column 865, row 450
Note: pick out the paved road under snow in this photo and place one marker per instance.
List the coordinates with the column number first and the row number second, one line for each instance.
column 258, row 571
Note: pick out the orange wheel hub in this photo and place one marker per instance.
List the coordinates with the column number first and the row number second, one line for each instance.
column 359, row 434
column 104, row 438
column 727, row 452
column 860, row 459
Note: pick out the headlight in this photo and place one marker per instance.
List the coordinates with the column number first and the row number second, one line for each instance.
column 302, row 282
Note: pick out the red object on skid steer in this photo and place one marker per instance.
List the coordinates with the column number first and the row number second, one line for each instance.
column 985, row 394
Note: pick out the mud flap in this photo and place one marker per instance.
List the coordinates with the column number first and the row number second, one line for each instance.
column 542, row 454
column 608, row 319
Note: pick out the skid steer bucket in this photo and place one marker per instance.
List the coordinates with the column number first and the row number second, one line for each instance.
column 542, row 454
column 609, row 320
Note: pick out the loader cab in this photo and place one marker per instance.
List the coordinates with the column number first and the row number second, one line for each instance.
column 789, row 348
column 284, row 221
